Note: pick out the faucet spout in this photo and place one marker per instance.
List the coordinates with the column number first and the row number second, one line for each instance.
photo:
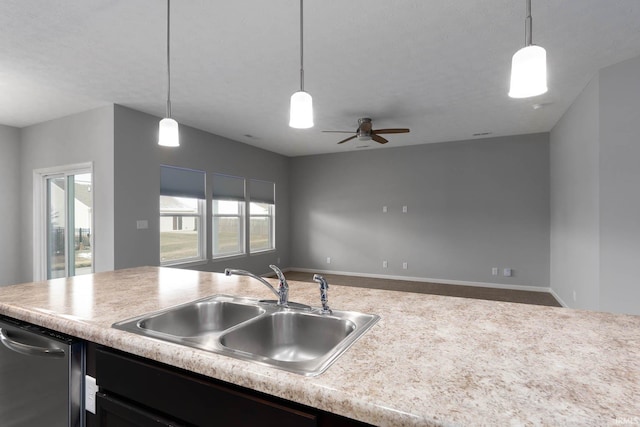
column 230, row 271
column 283, row 288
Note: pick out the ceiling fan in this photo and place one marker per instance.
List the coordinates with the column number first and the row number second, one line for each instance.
column 364, row 132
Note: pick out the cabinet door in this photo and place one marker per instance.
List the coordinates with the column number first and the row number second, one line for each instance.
column 195, row 400
column 116, row 413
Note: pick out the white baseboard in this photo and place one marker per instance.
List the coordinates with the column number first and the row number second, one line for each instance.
column 428, row 280
column 557, row 297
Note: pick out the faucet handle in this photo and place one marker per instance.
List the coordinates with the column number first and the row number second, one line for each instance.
column 277, row 270
column 324, row 297
column 283, row 280
column 283, row 288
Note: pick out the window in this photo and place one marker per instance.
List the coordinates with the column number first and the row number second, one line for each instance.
column 228, row 227
column 228, row 206
column 181, row 215
column 180, row 225
column 261, row 216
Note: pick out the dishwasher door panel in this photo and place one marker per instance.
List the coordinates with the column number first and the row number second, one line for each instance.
column 35, row 372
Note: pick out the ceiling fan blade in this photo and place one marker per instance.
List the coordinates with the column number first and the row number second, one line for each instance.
column 337, row 131
column 378, row 138
column 348, row 139
column 398, row 130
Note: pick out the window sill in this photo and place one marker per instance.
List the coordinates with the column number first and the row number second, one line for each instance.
column 263, row 252
column 185, row 264
column 227, row 257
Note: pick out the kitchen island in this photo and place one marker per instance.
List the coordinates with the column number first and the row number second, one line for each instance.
column 430, row 360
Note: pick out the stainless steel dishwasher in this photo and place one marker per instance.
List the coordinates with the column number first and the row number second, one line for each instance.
column 41, row 377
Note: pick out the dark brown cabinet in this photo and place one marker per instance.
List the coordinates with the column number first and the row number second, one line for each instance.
column 117, row 413
column 136, row 392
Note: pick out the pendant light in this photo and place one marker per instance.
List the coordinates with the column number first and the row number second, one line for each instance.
column 301, row 111
column 528, row 66
column 168, row 135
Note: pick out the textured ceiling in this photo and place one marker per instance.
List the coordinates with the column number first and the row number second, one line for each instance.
column 439, row 67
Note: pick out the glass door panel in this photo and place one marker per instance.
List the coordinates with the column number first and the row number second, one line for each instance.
column 69, row 219
column 56, row 227
column 81, row 253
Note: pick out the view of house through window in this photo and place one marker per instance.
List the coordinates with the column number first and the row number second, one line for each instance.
column 182, row 224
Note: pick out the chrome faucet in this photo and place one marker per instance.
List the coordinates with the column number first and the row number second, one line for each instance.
column 324, row 297
column 283, row 288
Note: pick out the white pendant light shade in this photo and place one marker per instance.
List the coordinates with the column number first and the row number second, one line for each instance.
column 301, row 109
column 301, row 113
column 528, row 72
column 168, row 135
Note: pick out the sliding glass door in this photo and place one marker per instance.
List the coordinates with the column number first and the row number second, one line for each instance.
column 67, row 223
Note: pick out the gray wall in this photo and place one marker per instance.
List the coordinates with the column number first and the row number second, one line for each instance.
column 83, row 137
column 9, row 208
column 619, row 187
column 472, row 205
column 575, row 209
column 137, row 187
column 595, row 204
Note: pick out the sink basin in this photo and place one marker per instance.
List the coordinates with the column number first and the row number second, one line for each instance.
column 303, row 341
column 197, row 318
column 200, row 318
column 289, row 336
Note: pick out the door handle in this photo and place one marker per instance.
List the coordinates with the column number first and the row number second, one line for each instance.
column 28, row 349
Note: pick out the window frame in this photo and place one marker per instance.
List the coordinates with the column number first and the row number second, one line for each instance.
column 184, row 183
column 242, row 228
column 202, row 251
column 271, row 217
column 40, row 215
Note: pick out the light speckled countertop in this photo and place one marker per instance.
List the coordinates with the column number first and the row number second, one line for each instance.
column 430, row 360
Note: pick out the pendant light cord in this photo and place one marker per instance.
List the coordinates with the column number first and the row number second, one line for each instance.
column 301, row 49
column 168, row 60
column 528, row 26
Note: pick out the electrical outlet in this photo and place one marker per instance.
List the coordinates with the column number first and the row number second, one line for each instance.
column 404, row 209
column 278, row 260
column 507, row 272
column 142, row 224
column 328, row 260
column 575, row 296
column 405, row 265
column 384, row 209
column 384, row 264
column 494, row 271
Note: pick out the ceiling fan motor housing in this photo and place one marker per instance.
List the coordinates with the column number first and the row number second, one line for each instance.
column 364, row 129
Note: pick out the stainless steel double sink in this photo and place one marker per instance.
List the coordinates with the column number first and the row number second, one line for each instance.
column 300, row 340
